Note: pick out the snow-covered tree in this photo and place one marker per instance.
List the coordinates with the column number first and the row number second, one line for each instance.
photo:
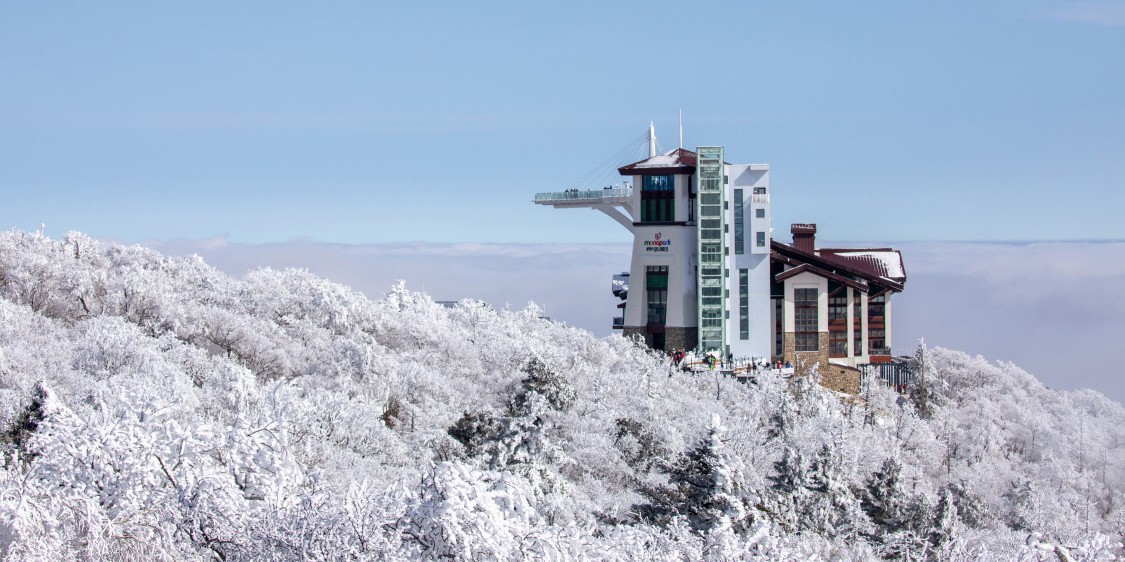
column 156, row 409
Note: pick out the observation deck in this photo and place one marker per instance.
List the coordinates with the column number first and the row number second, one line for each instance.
column 579, row 198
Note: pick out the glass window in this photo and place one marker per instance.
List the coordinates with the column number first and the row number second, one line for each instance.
column 805, row 319
column 760, row 213
column 876, row 339
column 761, row 241
column 875, row 308
column 658, row 183
column 743, row 304
column 658, row 206
column 738, row 222
column 857, row 324
column 838, row 343
column 837, row 308
column 778, row 315
column 656, row 285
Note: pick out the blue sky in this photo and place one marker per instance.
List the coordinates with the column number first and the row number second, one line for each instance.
column 437, row 121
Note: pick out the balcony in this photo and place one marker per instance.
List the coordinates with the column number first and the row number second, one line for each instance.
column 760, row 198
column 879, row 351
column 587, row 197
column 618, row 322
column 620, row 285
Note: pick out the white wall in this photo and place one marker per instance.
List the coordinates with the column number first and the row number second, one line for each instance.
column 678, row 255
column 755, row 260
column 759, row 309
column 807, row 280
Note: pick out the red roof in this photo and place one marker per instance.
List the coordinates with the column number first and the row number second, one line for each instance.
column 675, row 161
column 879, row 262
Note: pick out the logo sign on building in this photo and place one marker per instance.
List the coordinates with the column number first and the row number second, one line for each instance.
column 656, row 244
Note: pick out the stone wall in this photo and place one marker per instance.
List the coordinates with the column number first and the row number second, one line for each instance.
column 840, row 378
column 630, row 331
column 804, row 360
column 680, row 338
column 674, row 337
column 835, row 377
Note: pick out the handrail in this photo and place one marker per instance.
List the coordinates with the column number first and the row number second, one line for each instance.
column 580, row 195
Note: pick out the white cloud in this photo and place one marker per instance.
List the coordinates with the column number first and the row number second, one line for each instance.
column 1100, row 13
column 1053, row 308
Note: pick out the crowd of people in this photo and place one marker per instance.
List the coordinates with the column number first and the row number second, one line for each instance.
column 677, row 356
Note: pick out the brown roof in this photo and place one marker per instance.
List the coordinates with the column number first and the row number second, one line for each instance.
column 881, row 262
column 863, row 263
column 675, row 161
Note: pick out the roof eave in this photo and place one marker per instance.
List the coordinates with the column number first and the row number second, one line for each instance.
column 665, row 171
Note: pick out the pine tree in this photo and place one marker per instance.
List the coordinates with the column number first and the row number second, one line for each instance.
column 919, row 393
column 945, row 521
column 884, row 499
column 704, row 486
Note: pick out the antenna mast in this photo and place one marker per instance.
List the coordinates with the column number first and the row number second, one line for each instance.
column 651, row 140
column 681, row 128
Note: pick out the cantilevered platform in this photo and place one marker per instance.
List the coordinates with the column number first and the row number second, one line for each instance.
column 585, row 198
column 604, row 200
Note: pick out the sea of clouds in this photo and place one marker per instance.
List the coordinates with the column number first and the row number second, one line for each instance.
column 1053, row 308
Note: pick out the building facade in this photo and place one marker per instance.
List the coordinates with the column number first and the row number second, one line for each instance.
column 706, row 274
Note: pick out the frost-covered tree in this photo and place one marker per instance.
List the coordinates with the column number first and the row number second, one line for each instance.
column 704, row 486
column 157, row 409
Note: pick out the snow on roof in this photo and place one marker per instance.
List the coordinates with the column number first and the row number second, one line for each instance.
column 675, row 161
column 670, row 158
column 884, row 262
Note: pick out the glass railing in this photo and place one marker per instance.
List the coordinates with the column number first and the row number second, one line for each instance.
column 760, row 198
column 578, row 195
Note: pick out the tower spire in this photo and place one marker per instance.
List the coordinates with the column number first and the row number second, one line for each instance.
column 651, row 140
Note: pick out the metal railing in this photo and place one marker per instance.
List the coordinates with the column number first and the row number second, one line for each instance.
column 579, row 195
column 620, row 285
column 879, row 351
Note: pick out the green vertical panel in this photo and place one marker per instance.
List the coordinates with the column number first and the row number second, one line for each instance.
column 712, row 298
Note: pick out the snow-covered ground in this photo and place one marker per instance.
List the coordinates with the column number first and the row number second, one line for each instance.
column 157, row 409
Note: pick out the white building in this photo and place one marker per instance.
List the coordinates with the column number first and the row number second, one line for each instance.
column 706, row 274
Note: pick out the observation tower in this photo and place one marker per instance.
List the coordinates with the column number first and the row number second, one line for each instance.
column 700, row 270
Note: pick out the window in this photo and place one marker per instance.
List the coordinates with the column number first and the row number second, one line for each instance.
column 759, row 191
column 837, row 308
column 743, row 304
column 658, row 199
column 838, row 343
column 738, row 222
column 838, row 321
column 876, row 323
column 656, row 284
column 778, row 331
column 658, row 183
column 658, row 206
column 857, row 324
column 760, row 213
column 805, row 319
column 761, row 241
column 875, row 307
column 876, row 339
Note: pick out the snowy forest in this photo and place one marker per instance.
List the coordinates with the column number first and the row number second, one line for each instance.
column 157, row 409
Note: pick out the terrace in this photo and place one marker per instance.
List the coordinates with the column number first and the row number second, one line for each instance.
column 576, row 197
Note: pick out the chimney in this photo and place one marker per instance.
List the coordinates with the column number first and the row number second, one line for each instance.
column 804, row 237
